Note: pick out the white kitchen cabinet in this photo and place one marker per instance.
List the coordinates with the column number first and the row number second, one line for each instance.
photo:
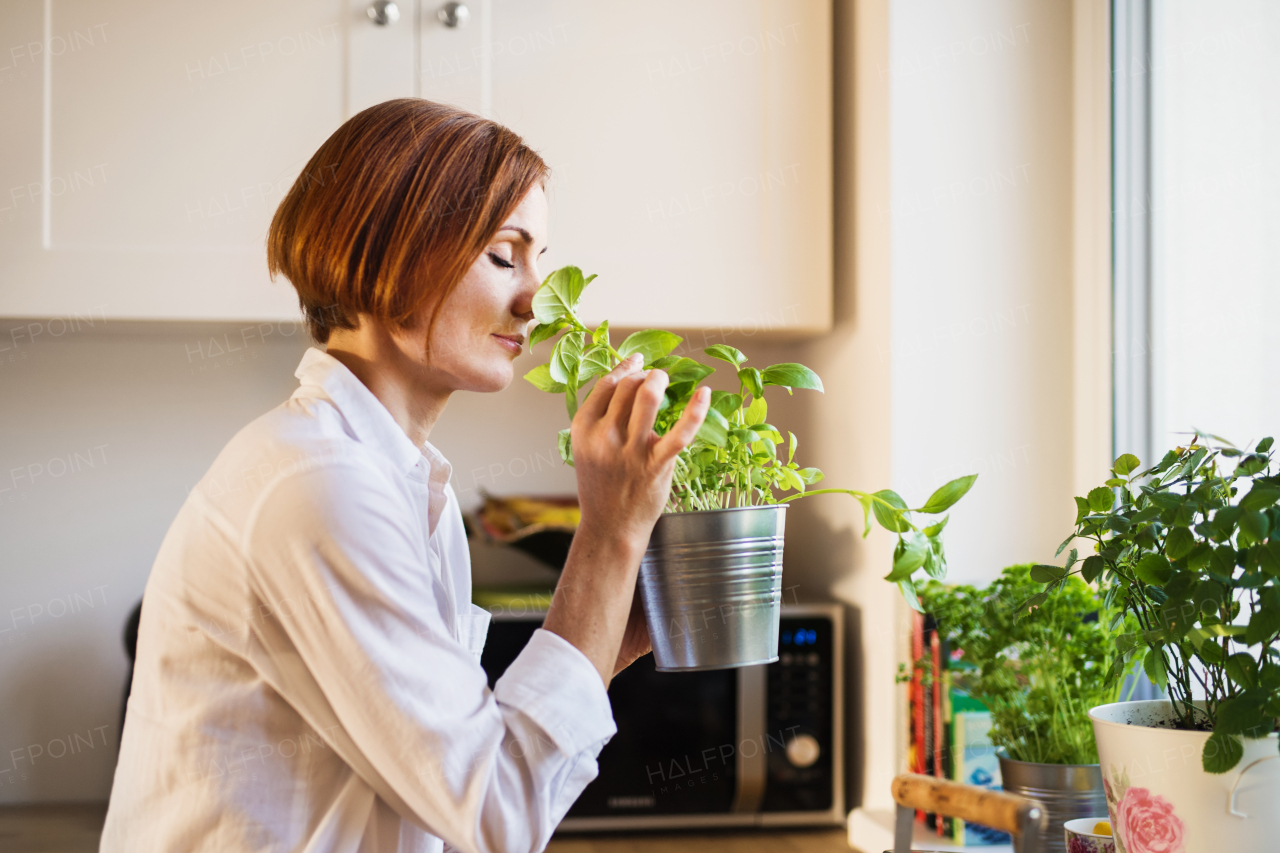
column 147, row 145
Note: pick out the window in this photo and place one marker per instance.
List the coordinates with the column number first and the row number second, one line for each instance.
column 1197, row 221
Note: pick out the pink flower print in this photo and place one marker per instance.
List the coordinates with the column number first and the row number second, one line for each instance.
column 1147, row 823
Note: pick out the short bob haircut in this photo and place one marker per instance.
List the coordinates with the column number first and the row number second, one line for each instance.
column 393, row 209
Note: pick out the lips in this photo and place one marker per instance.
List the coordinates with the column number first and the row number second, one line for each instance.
column 511, row 342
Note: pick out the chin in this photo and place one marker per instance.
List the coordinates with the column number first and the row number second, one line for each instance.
column 492, row 379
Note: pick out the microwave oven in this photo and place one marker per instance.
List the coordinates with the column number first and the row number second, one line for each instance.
column 754, row 746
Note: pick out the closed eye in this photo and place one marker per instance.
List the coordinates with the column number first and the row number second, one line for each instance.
column 499, row 261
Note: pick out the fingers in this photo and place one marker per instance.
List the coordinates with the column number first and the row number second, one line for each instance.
column 597, row 402
column 623, row 397
column 679, row 436
column 644, row 409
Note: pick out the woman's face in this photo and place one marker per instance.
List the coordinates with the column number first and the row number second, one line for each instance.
column 482, row 326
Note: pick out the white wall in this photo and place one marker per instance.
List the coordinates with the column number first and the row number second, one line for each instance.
column 980, row 213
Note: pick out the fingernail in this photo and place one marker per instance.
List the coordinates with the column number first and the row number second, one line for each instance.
column 635, row 358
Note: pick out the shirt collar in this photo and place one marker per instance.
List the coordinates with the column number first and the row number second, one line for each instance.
column 367, row 416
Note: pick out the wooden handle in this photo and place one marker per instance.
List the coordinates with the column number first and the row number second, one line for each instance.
column 995, row 809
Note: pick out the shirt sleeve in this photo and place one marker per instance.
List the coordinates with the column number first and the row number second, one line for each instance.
column 360, row 640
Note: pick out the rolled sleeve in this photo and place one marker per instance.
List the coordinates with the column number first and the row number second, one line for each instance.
column 558, row 688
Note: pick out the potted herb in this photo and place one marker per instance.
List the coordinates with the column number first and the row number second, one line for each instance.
column 1190, row 549
column 711, row 580
column 1038, row 671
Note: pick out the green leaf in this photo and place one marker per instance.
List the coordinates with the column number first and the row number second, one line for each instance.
column 943, row 499
column 908, row 556
column 934, row 529
column 909, row 593
column 1254, row 527
column 1264, row 445
column 601, row 334
column 791, row 375
column 1243, row 670
column 791, row 480
column 791, row 448
column 724, row 352
column 545, row 330
column 725, row 403
column 1179, row 543
column 559, row 294
column 1269, row 557
column 1091, row 568
column 1082, row 510
column 596, row 361
column 653, row 344
column 1241, row 714
column 1199, row 556
column 1046, row 574
column 1126, row 464
column 811, row 476
column 756, row 412
column 565, row 357
column 540, row 378
column 1260, row 497
column 1153, row 569
column 714, row 430
column 565, row 446
column 1101, row 499
column 1153, row 665
column 752, row 381
column 685, row 370
column 1221, row 753
column 888, row 519
column 571, row 400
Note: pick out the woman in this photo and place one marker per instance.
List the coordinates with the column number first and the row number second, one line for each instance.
column 308, row 671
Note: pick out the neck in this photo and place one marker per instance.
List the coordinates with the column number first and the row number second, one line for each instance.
column 393, row 368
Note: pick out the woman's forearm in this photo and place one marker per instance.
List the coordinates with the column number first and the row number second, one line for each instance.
column 593, row 599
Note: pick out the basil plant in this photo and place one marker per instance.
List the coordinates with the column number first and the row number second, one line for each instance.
column 1190, row 548
column 737, row 458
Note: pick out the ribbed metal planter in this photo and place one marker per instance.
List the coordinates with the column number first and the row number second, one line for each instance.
column 711, row 582
column 1067, row 791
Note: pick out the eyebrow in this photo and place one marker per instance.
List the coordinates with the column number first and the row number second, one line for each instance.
column 524, row 235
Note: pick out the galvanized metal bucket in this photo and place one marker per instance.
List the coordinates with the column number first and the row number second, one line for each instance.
column 711, row 583
column 1068, row 791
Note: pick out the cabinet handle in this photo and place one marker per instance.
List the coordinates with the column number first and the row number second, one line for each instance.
column 383, row 12
column 454, row 15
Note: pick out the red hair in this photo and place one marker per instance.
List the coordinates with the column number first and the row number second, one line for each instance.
column 392, row 210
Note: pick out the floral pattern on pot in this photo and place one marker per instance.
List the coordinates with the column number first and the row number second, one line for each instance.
column 1143, row 822
column 1083, row 844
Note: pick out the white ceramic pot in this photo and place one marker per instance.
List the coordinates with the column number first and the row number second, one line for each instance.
column 1161, row 800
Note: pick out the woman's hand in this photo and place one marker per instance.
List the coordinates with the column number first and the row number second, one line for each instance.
column 624, row 468
column 624, row 479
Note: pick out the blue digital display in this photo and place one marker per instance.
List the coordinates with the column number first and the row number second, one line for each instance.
column 801, row 637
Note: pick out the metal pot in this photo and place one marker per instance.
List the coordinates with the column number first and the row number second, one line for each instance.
column 1067, row 791
column 711, row 583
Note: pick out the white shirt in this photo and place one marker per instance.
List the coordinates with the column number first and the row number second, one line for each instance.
column 308, row 673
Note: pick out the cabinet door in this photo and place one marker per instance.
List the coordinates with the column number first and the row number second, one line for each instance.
column 147, row 145
column 691, row 150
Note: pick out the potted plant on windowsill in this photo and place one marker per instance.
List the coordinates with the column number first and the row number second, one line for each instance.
column 1038, row 672
column 711, row 579
column 1190, row 548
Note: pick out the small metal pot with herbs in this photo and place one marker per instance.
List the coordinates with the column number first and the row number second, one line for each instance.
column 1038, row 670
column 711, row 580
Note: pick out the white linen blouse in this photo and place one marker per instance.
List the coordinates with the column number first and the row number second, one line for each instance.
column 308, row 673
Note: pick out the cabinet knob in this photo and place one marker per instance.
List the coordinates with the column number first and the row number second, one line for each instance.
column 383, row 12
column 454, row 15
column 803, row 751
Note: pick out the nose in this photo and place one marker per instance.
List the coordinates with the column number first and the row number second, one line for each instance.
column 522, row 307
